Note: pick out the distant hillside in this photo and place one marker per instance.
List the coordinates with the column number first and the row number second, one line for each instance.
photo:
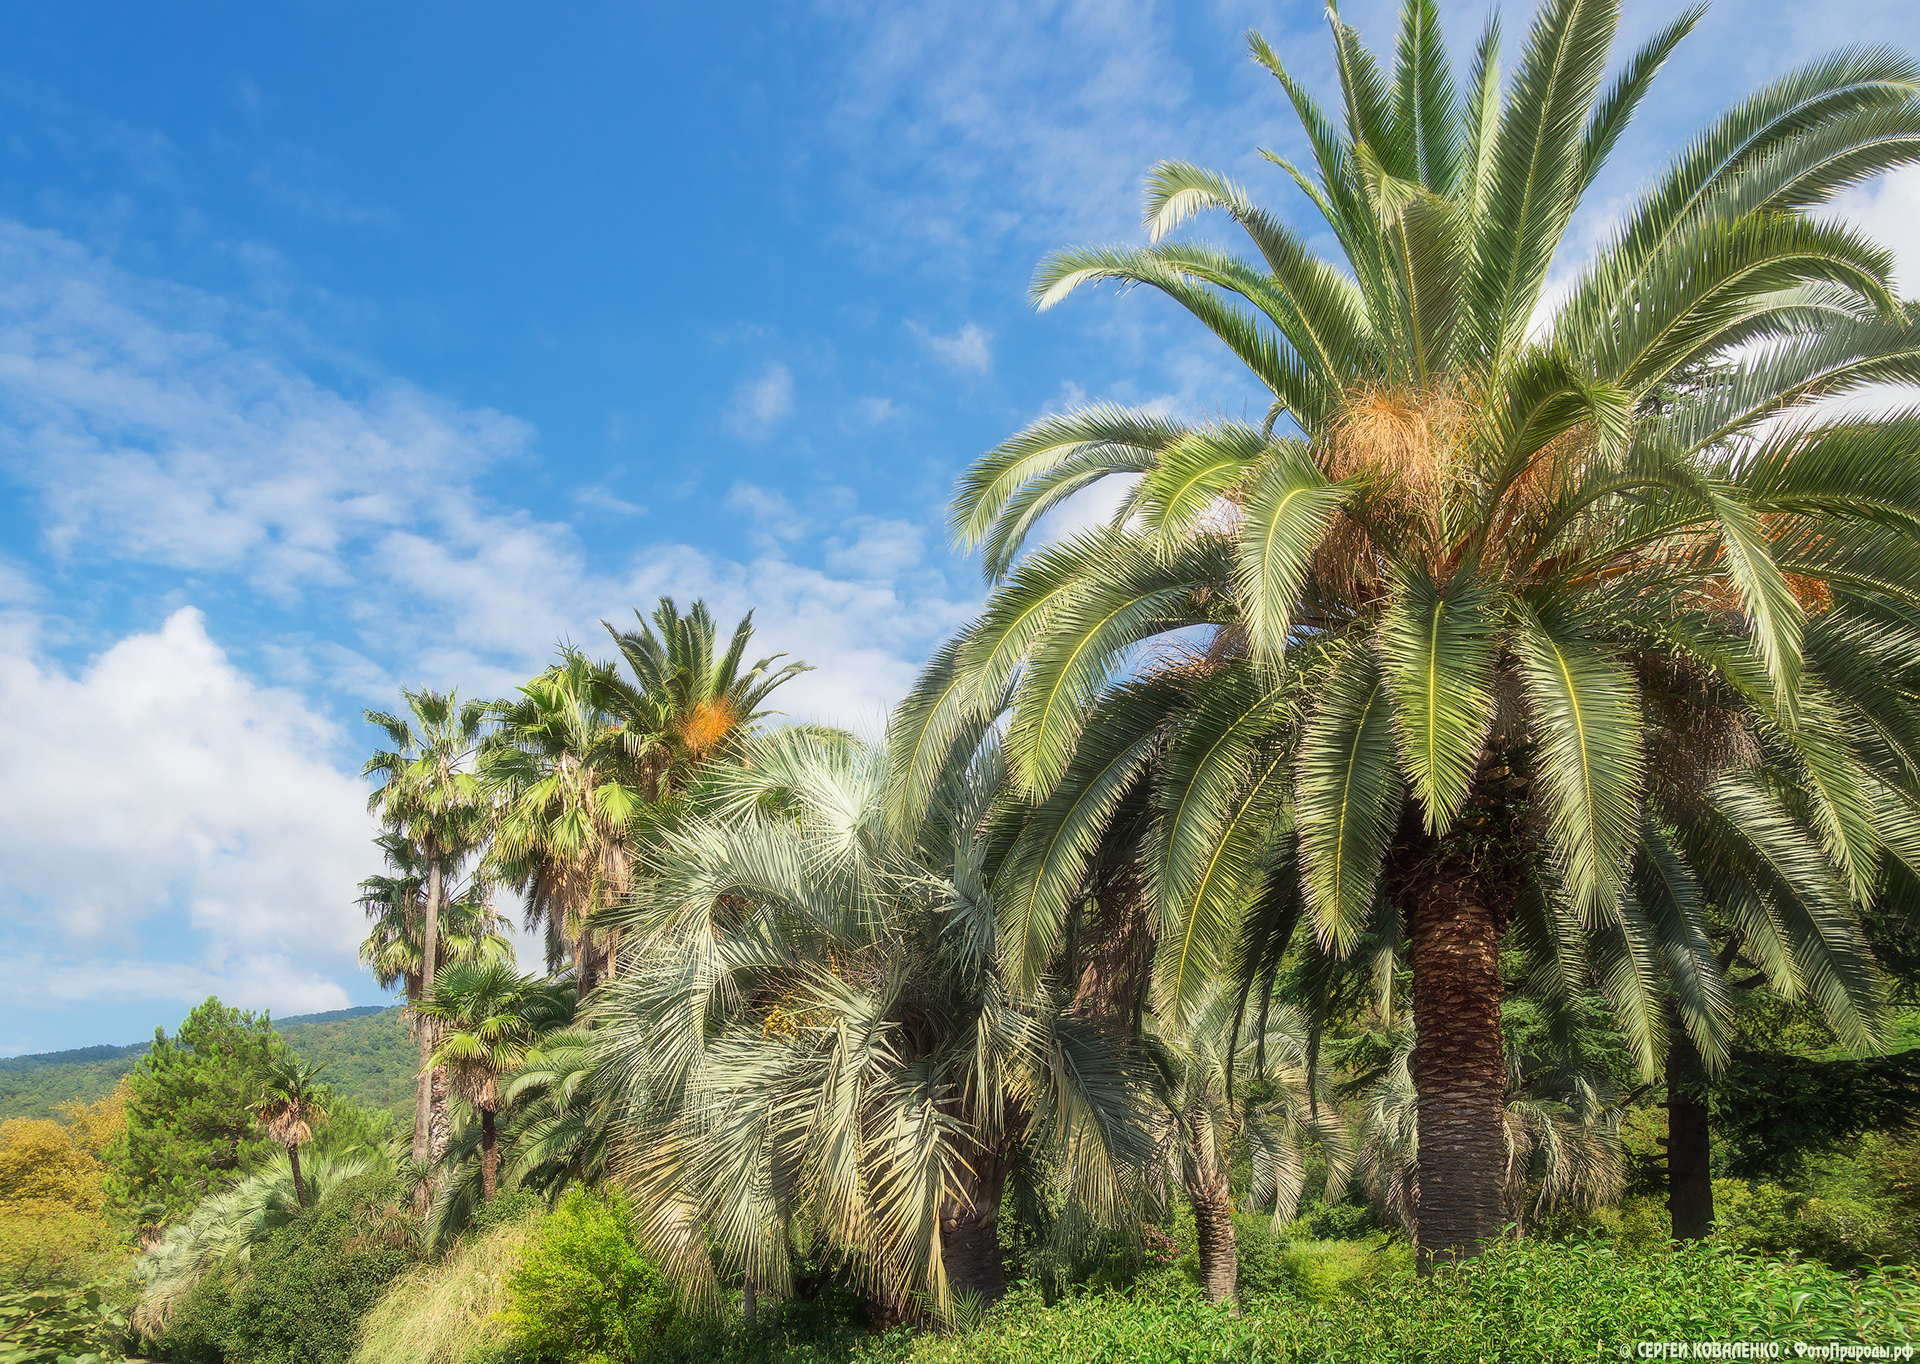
column 368, row 1055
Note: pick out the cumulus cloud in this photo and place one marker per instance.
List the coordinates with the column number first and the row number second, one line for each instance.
column 760, row 403
column 158, row 783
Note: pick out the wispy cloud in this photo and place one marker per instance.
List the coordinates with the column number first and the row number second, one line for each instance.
column 969, row 348
column 760, row 403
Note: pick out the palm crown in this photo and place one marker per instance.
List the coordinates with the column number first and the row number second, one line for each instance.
column 1512, row 611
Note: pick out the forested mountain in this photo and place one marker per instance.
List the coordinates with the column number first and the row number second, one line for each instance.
column 366, row 1052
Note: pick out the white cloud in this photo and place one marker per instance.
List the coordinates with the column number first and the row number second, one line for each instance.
column 969, row 348
column 1888, row 211
column 158, row 785
column 760, row 403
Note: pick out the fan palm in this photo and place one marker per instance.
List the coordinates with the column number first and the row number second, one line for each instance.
column 427, row 794
column 1520, row 610
column 470, row 928
column 489, row 1021
column 570, row 780
column 816, row 1031
column 289, row 1101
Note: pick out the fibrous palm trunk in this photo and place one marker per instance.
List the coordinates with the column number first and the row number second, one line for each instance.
column 489, row 1156
column 1212, row 1201
column 1459, row 1059
column 299, row 1189
column 1689, row 1145
column 424, row 1031
column 970, row 1231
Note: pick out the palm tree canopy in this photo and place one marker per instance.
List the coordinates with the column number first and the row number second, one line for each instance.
column 489, row 1021
column 816, row 1025
column 1588, row 580
column 290, row 1097
column 470, row 928
column 426, row 788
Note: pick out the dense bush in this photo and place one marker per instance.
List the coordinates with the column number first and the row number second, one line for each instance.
column 1531, row 1301
column 302, row 1295
column 582, row 1293
column 66, row 1322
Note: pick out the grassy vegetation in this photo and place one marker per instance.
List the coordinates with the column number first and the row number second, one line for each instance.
column 369, row 1060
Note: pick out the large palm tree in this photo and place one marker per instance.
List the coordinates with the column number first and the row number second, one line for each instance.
column 394, row 950
column 1524, row 610
column 488, row 1021
column 427, row 794
column 817, row 1031
column 290, row 1099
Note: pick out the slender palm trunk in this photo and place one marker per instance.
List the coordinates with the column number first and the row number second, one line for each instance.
column 970, row 1231
column 749, row 1298
column 424, row 1030
column 1459, row 1060
column 1689, row 1144
column 299, row 1189
column 1212, row 1201
column 489, row 1156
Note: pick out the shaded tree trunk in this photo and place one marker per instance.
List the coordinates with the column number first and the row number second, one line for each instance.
column 970, row 1231
column 1454, row 920
column 442, row 1119
column 1689, row 1144
column 299, row 1189
column 749, row 1299
column 489, row 1156
column 424, row 1032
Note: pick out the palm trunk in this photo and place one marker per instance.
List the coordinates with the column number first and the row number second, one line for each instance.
column 299, row 1189
column 1459, row 1060
column 1212, row 1203
column 1689, row 1143
column 749, row 1299
column 970, row 1231
column 489, row 1156
column 442, row 1121
column 429, row 953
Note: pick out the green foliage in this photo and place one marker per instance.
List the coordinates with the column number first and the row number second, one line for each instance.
column 583, row 1294
column 59, row 1323
column 365, row 1051
column 189, row 1133
column 1522, row 1302
column 1840, row 1228
column 303, row 1294
column 1772, row 1109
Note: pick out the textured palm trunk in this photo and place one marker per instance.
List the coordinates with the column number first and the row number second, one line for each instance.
column 970, row 1231
column 442, row 1119
column 489, row 1156
column 429, row 953
column 1213, row 1230
column 299, row 1189
column 1689, row 1144
column 1459, row 1059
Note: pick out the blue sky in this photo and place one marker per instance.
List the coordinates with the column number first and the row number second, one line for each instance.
column 350, row 346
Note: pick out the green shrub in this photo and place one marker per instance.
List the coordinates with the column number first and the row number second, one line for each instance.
column 1843, row 1230
column 582, row 1294
column 1333, row 1222
column 71, row 1323
column 1262, row 1254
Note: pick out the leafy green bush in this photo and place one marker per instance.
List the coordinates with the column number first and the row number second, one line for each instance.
column 1523, row 1303
column 1262, row 1254
column 582, row 1294
column 59, row 1323
column 1319, row 1221
column 1845, row 1231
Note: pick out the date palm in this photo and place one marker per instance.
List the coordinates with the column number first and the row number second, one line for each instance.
column 1522, row 612
column 488, row 1021
column 289, row 1102
column 427, row 794
column 817, row 1031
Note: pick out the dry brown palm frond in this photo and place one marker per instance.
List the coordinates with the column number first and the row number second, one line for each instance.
column 705, row 726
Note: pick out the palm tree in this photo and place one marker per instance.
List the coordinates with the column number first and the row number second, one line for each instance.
column 427, row 794
column 1275, row 1113
column 569, row 778
column 1497, row 626
column 289, row 1101
column 488, row 1020
column 392, row 951
column 684, row 704
column 815, row 1030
